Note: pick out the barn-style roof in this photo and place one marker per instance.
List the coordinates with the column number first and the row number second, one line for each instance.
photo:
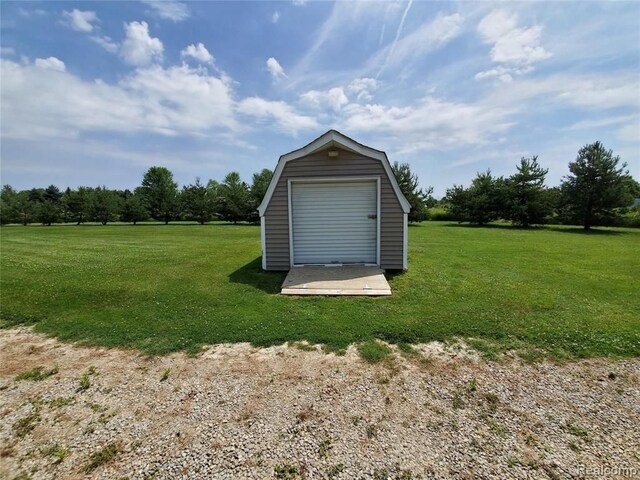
column 333, row 138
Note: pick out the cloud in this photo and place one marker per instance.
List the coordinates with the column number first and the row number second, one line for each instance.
column 80, row 20
column 105, row 42
column 43, row 101
column 285, row 116
column 199, row 52
column 515, row 48
column 421, row 41
column 7, row 50
column 275, row 69
column 139, row 48
column 395, row 40
column 299, row 3
column 275, row 17
column 502, row 73
column 362, row 88
column 51, row 63
column 37, row 103
column 431, row 123
column 334, row 98
column 169, row 9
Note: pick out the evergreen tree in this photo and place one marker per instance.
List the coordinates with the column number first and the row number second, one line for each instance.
column 527, row 203
column 198, row 202
column 76, row 204
column 160, row 194
column 596, row 185
column 257, row 192
column 133, row 209
column 409, row 186
column 104, row 205
column 483, row 202
column 233, row 199
column 8, row 200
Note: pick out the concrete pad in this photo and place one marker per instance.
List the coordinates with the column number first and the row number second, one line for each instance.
column 342, row 280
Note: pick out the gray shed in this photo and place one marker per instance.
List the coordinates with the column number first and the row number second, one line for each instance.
column 334, row 201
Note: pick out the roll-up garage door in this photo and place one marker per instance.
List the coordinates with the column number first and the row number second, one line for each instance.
column 334, row 222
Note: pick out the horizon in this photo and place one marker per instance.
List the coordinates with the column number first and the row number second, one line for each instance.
column 96, row 93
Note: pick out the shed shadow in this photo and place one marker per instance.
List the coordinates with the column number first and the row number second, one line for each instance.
column 252, row 274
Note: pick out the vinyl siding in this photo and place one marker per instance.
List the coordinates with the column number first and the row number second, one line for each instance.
column 347, row 164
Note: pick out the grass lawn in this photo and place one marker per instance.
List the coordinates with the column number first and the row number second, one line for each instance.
column 164, row 288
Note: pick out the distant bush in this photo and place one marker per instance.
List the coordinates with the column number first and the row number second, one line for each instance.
column 441, row 214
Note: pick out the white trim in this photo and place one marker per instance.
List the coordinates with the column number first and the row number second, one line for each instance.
column 378, row 215
column 333, row 137
column 290, row 219
column 291, row 180
column 405, row 240
column 263, row 241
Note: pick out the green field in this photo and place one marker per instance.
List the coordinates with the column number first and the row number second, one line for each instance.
column 165, row 288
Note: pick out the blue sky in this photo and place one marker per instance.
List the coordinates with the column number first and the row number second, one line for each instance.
column 96, row 92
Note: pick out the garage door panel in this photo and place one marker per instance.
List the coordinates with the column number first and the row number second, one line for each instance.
column 332, row 222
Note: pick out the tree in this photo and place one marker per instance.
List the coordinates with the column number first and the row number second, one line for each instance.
column 233, row 199
column 104, row 205
column 160, row 194
column 198, row 201
column 76, row 203
column 48, row 205
column 481, row 203
column 258, row 189
column 133, row 208
column 596, row 185
column 8, row 199
column 526, row 201
column 25, row 208
column 409, row 186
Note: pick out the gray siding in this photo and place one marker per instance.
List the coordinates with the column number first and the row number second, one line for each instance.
column 320, row 165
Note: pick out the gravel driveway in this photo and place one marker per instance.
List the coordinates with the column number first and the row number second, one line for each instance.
column 238, row 412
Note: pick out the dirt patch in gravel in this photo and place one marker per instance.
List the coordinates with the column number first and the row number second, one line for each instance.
column 239, row 412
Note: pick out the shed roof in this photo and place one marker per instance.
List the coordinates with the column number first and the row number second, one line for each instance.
column 333, row 138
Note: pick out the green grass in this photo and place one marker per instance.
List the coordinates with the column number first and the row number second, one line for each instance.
column 38, row 374
column 101, row 457
column 373, row 351
column 166, row 288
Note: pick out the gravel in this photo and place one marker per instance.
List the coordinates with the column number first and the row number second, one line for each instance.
column 234, row 411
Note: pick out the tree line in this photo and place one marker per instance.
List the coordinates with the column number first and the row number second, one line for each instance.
column 597, row 191
column 157, row 198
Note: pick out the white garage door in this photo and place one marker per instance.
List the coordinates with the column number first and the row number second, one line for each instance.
column 334, row 222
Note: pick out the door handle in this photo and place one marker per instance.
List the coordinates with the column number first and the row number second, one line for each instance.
column 372, row 217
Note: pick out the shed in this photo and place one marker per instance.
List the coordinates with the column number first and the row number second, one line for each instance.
column 331, row 202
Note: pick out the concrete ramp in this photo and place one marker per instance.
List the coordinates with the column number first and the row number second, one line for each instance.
column 339, row 280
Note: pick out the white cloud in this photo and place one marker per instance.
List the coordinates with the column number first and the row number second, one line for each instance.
column 172, row 101
column 275, row 17
column 285, row 116
column 7, row 50
column 335, row 98
column 395, row 40
column 275, row 69
column 428, row 124
column 105, row 42
column 139, row 48
column 299, row 3
column 199, row 52
column 80, row 20
column 362, row 88
column 423, row 40
column 169, row 9
column 51, row 63
column 515, row 48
